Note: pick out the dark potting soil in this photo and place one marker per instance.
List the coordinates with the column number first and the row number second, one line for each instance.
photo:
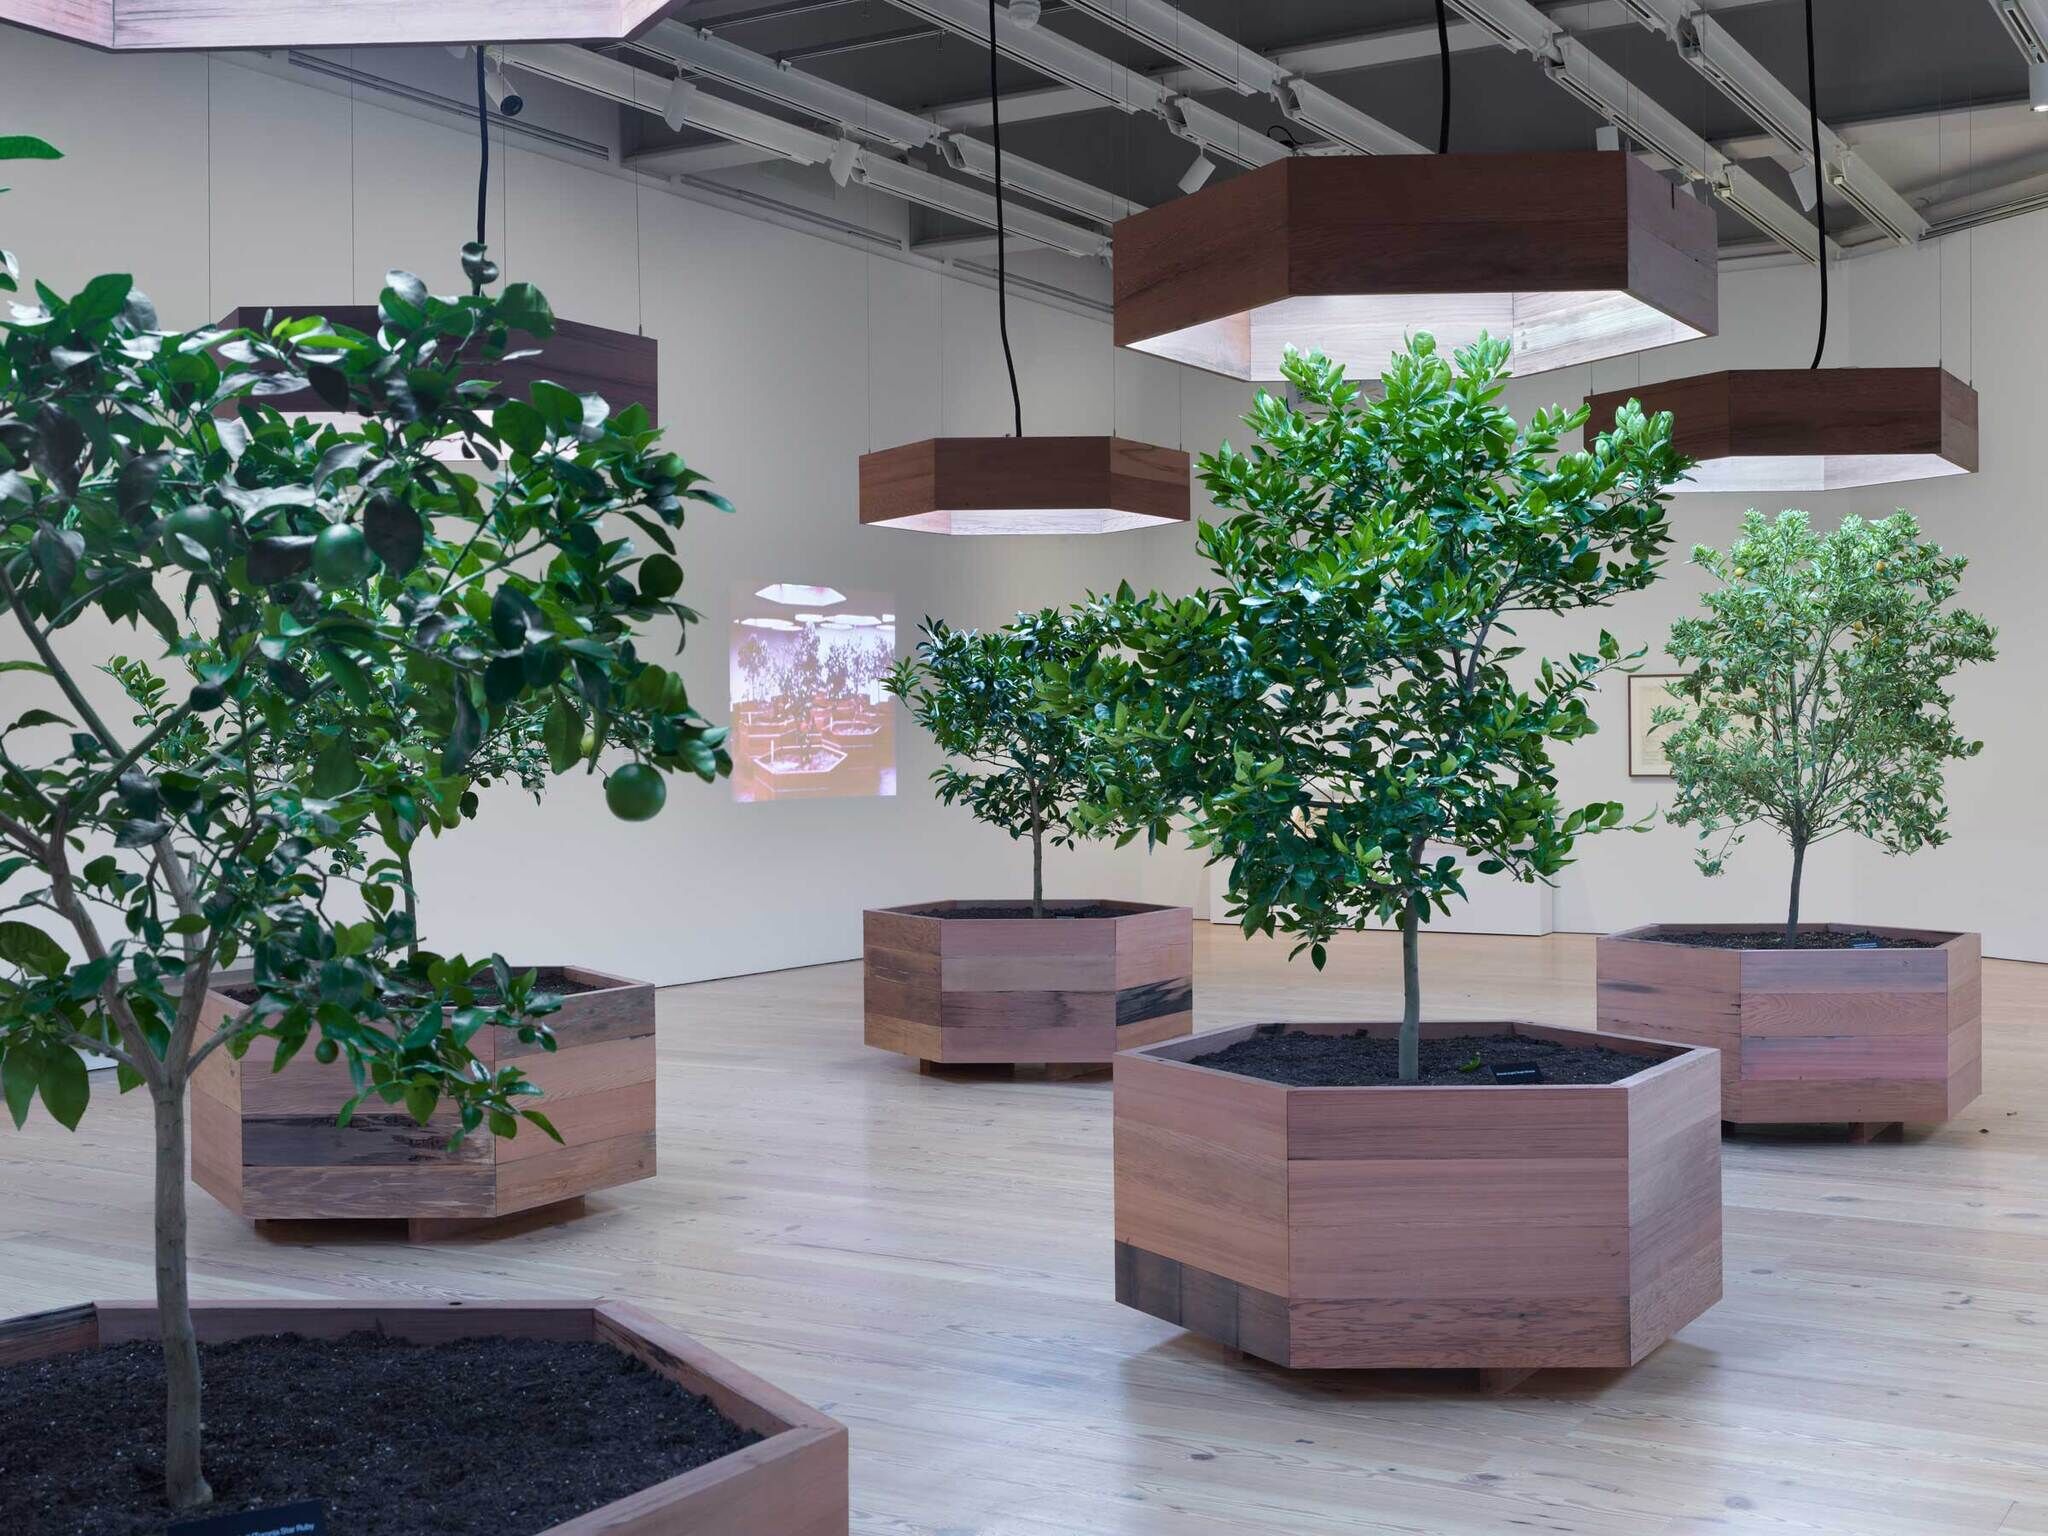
column 1302, row 1060
column 477, row 1437
column 1774, row 938
column 550, row 979
column 1023, row 909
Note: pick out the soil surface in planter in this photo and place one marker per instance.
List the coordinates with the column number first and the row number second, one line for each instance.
column 1774, row 938
column 476, row 1437
column 1023, row 909
column 1369, row 1061
column 550, row 979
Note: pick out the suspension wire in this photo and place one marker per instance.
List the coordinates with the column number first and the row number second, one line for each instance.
column 1820, row 206
column 1443, row 53
column 995, row 123
column 483, row 164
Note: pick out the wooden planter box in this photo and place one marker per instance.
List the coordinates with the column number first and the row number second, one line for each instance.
column 792, row 1482
column 1052, row 990
column 1810, row 1036
column 1482, row 1226
column 265, row 1143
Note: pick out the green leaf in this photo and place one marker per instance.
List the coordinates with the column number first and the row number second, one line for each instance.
column 524, row 307
column 20, row 1070
column 394, row 533
column 57, row 552
column 336, row 770
column 23, row 146
column 64, row 1085
column 520, row 425
column 562, row 734
column 537, row 1118
column 465, row 735
column 31, row 949
column 101, row 300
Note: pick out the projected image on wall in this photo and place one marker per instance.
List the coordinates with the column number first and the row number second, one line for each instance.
column 809, row 717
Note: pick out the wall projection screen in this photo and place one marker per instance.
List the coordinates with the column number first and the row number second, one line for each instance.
column 809, row 717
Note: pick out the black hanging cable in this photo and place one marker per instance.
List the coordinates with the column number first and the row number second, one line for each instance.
column 995, row 125
column 1443, row 52
column 1820, row 206
column 483, row 167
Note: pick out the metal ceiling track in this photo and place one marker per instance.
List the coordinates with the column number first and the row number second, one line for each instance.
column 631, row 86
column 1582, row 74
column 1703, row 42
column 701, row 53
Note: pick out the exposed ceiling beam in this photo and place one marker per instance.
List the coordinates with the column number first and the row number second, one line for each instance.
column 616, row 80
column 1737, row 74
column 867, row 118
column 698, row 159
column 1575, row 69
column 1331, row 56
column 1107, row 80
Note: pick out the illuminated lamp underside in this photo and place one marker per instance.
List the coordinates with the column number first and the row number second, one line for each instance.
column 1572, row 256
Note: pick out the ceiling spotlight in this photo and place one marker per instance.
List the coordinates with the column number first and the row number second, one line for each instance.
column 1607, row 137
column 841, row 163
column 1026, row 12
column 1199, row 170
column 498, row 90
column 682, row 97
column 2037, row 87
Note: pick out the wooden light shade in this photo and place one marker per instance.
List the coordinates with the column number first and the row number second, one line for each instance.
column 972, row 485
column 1802, row 429
column 585, row 359
column 1572, row 256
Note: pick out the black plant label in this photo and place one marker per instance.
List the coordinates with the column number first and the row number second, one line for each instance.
column 307, row 1518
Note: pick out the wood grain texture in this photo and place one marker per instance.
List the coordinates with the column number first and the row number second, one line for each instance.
column 265, row 1143
column 1576, row 254
column 1839, row 413
column 1054, row 990
column 1476, row 1226
column 792, row 1482
column 1873, row 1370
column 1810, row 1036
column 588, row 359
column 1081, row 484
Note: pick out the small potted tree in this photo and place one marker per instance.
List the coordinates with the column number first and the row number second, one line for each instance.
column 264, row 1138
column 1336, row 716
column 1061, row 982
column 285, row 565
column 1816, row 704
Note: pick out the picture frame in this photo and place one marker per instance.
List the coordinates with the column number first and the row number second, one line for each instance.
column 1647, row 691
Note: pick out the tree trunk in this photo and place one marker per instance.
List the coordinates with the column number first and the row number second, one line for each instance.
column 1411, row 993
column 1792, row 906
column 184, row 1481
column 412, row 905
column 1037, row 858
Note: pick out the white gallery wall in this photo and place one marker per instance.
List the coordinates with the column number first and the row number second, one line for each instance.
column 785, row 355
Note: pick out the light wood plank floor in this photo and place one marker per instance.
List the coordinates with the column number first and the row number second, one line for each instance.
column 929, row 1259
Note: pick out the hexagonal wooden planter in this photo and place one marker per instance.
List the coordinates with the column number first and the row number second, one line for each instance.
column 792, row 1481
column 1051, row 990
column 1483, row 1226
column 265, row 1143
column 1810, row 1036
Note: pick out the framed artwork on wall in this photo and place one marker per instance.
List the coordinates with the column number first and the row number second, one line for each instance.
column 1647, row 693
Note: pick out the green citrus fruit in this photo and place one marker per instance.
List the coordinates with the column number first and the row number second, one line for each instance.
column 635, row 792
column 326, row 1051
column 204, row 526
column 340, row 557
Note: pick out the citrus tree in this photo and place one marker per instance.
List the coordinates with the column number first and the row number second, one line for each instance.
column 1337, row 714
column 1817, row 702
column 322, row 596
column 1016, row 760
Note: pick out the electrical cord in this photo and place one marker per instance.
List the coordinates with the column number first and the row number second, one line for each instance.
column 1820, row 206
column 1443, row 53
column 483, row 165
column 995, row 124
